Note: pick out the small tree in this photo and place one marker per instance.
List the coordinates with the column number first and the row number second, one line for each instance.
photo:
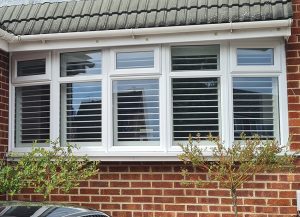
column 232, row 166
column 46, row 169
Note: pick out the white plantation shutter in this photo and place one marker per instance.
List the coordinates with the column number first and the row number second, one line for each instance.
column 255, row 105
column 32, row 118
column 195, row 58
column 195, row 107
column 81, row 112
column 136, row 112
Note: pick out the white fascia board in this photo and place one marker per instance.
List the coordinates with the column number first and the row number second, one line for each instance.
column 179, row 37
column 158, row 30
column 3, row 45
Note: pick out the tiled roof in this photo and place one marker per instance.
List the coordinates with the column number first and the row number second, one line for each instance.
column 95, row 15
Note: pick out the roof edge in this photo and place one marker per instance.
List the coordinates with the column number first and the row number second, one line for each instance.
column 148, row 31
column 7, row 36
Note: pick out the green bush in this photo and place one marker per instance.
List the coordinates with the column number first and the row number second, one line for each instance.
column 45, row 169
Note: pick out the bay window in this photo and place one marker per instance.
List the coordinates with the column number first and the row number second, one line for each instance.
column 125, row 101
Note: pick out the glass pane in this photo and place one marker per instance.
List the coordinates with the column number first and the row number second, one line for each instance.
column 136, row 112
column 81, row 63
column 32, row 115
column 31, row 67
column 195, row 107
column 81, row 112
column 255, row 105
column 255, row 56
column 195, row 58
column 132, row 60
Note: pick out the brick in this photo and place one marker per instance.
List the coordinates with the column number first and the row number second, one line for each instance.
column 131, row 206
column 164, row 199
column 279, row 202
column 122, row 199
column 59, row 198
column 100, row 199
column 78, row 198
column 255, row 201
column 185, row 200
column 174, row 207
column 89, row 191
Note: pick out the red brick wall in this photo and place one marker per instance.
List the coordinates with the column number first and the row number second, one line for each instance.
column 131, row 189
column 4, row 86
column 293, row 76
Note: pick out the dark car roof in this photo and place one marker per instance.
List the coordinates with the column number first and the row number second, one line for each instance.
column 20, row 209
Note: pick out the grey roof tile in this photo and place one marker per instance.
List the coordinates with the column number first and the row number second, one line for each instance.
column 97, row 15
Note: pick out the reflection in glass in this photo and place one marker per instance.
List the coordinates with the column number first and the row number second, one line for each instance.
column 81, row 63
column 255, row 56
column 81, row 112
column 136, row 112
column 204, row 57
column 255, row 105
column 195, row 107
column 132, row 60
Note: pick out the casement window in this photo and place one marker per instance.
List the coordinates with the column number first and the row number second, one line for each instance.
column 81, row 101
column 133, row 100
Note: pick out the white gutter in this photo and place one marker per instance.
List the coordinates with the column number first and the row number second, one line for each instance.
column 153, row 31
column 7, row 36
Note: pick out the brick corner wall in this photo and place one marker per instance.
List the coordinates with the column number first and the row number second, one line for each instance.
column 293, row 77
column 4, row 88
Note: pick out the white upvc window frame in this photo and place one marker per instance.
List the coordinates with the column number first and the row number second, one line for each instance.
column 278, row 70
column 115, row 74
column 57, row 80
column 163, row 72
column 235, row 68
column 26, row 56
column 219, row 73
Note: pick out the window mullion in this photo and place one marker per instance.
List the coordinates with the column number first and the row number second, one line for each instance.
column 55, row 98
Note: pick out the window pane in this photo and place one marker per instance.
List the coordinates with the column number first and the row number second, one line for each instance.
column 255, row 56
column 81, row 63
column 32, row 114
column 195, row 57
column 132, row 60
column 81, row 112
column 255, row 105
column 195, row 107
column 31, row 67
column 136, row 112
